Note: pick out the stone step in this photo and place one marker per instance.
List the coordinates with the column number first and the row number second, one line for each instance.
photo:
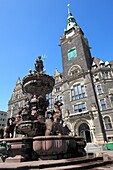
column 80, row 163
column 82, row 166
column 107, row 167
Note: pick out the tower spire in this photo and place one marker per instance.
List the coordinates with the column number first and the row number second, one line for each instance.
column 71, row 22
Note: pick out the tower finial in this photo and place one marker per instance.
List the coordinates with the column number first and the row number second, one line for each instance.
column 68, row 8
column 70, row 20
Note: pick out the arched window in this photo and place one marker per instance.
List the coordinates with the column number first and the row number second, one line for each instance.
column 74, row 70
column 107, row 122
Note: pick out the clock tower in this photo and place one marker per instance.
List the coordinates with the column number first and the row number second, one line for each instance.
column 74, row 47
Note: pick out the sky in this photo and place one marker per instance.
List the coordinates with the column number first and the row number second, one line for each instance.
column 29, row 28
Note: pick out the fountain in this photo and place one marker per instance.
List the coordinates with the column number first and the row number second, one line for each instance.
column 36, row 133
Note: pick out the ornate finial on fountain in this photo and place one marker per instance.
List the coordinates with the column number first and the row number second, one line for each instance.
column 39, row 65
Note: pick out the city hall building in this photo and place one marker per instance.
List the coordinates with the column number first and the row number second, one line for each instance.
column 85, row 87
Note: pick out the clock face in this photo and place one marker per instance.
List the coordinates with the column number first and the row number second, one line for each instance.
column 72, row 53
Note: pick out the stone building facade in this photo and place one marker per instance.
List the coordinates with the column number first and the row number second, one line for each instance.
column 17, row 99
column 85, row 87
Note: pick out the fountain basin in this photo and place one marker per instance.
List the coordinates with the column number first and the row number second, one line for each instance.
column 39, row 84
column 44, row 147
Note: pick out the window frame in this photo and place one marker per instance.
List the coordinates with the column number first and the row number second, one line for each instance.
column 78, row 92
column 108, row 123
column 51, row 101
column 99, row 89
column 103, row 105
column 79, row 106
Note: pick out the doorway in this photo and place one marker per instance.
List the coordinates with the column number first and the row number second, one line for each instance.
column 84, row 131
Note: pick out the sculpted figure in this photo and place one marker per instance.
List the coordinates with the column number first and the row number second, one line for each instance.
column 57, row 106
column 49, row 123
column 39, row 64
column 9, row 129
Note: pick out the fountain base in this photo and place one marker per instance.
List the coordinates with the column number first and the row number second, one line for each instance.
column 44, row 147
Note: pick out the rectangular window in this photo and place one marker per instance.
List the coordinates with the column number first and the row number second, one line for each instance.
column 72, row 53
column 50, row 99
column 78, row 92
column 99, row 89
column 103, row 104
column 107, row 122
column 106, row 75
column 51, row 104
column 80, row 107
column 58, row 89
column 73, row 94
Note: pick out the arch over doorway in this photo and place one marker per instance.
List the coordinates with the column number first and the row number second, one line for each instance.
column 84, row 131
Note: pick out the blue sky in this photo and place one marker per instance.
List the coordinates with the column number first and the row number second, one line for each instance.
column 29, row 28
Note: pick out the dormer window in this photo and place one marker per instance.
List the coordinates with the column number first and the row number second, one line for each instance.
column 96, row 76
column 94, row 65
column 107, row 64
column 57, row 80
column 101, row 64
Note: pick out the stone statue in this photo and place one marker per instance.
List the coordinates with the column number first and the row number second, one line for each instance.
column 9, row 130
column 57, row 106
column 49, row 122
column 39, row 65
